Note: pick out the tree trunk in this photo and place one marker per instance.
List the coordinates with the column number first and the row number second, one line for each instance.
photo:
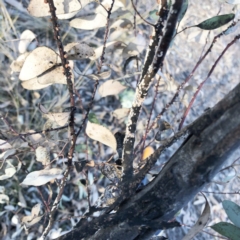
column 213, row 137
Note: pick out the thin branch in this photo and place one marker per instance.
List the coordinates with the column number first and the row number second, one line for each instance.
column 150, row 114
column 32, row 133
column 202, row 83
column 99, row 69
column 153, row 63
column 190, row 75
column 67, row 73
column 138, row 13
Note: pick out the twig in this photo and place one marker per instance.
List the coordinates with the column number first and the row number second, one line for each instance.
column 14, row 131
column 32, row 133
column 55, row 204
column 153, row 63
column 190, row 75
column 202, row 83
column 135, row 9
column 150, row 114
column 99, row 69
column 67, row 73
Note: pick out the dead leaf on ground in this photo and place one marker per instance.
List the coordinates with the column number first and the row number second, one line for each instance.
column 121, row 113
column 77, row 51
column 32, row 219
column 25, row 39
column 101, row 134
column 110, row 87
column 38, row 178
column 40, row 9
column 90, row 22
column 37, row 62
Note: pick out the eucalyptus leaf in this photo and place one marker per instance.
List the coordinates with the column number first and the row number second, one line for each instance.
column 216, row 22
column 228, row 230
column 233, row 211
column 233, row 2
column 183, row 10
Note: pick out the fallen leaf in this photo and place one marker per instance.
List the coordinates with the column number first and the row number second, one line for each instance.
column 4, row 144
column 60, row 118
column 33, row 218
column 200, row 224
column 37, row 62
column 89, row 22
column 101, row 134
column 38, row 178
column 110, row 87
column 121, row 113
column 40, row 9
column 76, row 51
column 25, row 39
column 4, row 199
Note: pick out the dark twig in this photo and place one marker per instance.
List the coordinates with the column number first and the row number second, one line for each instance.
column 67, row 73
column 190, row 75
column 135, row 9
column 99, row 69
column 150, row 114
column 202, row 83
column 164, row 33
column 32, row 133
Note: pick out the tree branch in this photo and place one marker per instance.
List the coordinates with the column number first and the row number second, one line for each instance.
column 213, row 137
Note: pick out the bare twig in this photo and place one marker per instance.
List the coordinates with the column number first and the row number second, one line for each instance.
column 68, row 74
column 202, row 83
column 135, row 9
column 99, row 68
column 190, row 75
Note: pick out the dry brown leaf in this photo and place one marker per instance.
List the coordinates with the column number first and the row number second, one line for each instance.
column 60, row 118
column 25, row 39
column 17, row 64
column 121, row 113
column 38, row 178
column 89, row 22
column 77, row 51
column 40, row 9
column 42, row 155
column 100, row 76
column 54, row 76
column 33, row 218
column 33, row 84
column 110, row 87
column 37, row 62
column 101, row 134
column 10, row 170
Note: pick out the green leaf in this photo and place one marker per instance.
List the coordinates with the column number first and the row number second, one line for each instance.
column 228, row 230
column 154, row 15
column 93, row 118
column 233, row 211
column 183, row 10
column 216, row 22
column 169, row 3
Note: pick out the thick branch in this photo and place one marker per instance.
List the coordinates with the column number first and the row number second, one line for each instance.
column 213, row 137
column 145, row 82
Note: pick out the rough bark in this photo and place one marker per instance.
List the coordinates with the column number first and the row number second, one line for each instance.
column 213, row 137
